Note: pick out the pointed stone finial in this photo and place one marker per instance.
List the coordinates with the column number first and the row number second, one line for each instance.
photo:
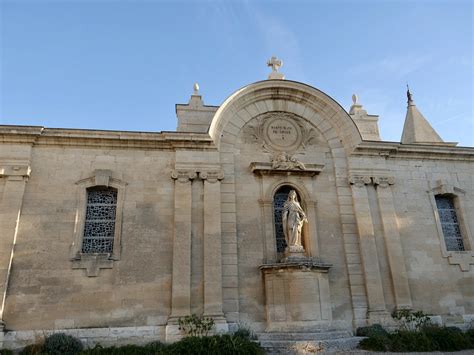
column 275, row 64
column 356, row 106
column 196, row 98
column 409, row 96
column 354, row 99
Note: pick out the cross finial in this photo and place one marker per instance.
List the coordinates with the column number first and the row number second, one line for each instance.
column 275, row 64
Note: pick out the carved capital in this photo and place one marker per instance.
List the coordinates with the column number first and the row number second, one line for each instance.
column 183, row 176
column 360, row 180
column 384, row 181
column 15, row 171
column 212, row 176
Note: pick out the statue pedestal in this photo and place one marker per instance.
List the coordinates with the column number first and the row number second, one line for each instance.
column 297, row 295
column 294, row 253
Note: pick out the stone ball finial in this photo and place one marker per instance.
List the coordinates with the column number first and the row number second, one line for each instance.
column 355, row 99
column 196, row 89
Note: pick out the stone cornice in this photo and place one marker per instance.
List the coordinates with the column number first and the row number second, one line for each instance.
column 109, row 139
column 414, row 151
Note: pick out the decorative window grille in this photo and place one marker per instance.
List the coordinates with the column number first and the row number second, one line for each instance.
column 278, row 202
column 99, row 228
column 449, row 223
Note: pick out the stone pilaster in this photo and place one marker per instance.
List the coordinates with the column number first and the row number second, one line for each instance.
column 269, row 237
column 212, row 245
column 181, row 274
column 393, row 245
column 373, row 281
column 312, row 248
column 10, row 209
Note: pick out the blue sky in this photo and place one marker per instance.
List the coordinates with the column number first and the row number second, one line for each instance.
column 123, row 64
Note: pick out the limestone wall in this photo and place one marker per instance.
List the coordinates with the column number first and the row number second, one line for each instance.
column 44, row 291
column 437, row 283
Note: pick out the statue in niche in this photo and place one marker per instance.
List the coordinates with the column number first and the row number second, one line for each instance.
column 293, row 218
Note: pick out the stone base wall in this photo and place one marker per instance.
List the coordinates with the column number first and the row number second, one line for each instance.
column 146, row 334
column 89, row 336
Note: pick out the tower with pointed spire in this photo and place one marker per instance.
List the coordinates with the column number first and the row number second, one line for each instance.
column 417, row 129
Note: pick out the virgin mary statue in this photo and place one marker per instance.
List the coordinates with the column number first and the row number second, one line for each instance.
column 293, row 218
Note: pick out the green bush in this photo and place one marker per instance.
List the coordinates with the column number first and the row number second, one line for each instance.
column 448, row 338
column 217, row 344
column 121, row 350
column 245, row 333
column 470, row 335
column 62, row 344
column 375, row 329
column 6, row 352
column 406, row 340
column 227, row 344
column 376, row 342
column 428, row 338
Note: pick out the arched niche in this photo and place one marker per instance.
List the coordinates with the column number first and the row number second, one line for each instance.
column 309, row 232
column 279, row 198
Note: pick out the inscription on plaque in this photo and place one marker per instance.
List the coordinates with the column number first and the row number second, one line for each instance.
column 282, row 133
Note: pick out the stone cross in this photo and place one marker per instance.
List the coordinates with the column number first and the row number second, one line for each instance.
column 275, row 64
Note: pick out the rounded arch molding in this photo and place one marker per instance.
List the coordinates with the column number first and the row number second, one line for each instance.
column 334, row 123
column 300, row 189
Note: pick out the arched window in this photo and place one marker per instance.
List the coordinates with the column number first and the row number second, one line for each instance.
column 449, row 223
column 278, row 202
column 99, row 227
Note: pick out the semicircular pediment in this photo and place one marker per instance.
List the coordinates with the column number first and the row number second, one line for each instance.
column 278, row 110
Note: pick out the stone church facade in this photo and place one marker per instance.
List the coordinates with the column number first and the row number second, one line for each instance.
column 112, row 236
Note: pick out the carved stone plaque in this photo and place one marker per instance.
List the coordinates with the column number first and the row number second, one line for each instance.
column 281, row 132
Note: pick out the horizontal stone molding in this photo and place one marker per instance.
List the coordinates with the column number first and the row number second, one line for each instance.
column 110, row 139
column 267, row 169
column 414, row 151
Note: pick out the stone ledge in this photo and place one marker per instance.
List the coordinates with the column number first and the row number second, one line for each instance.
column 266, row 169
column 297, row 263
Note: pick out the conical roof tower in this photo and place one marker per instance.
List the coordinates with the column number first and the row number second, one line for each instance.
column 417, row 130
